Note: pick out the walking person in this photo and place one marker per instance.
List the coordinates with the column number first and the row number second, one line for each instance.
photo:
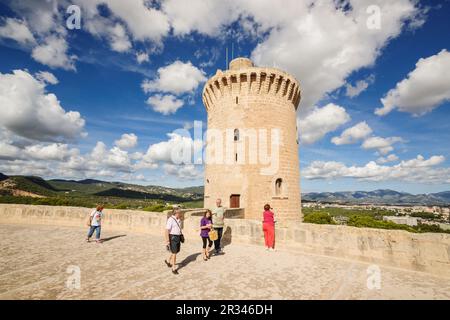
column 269, row 228
column 174, row 238
column 205, row 228
column 218, row 223
column 95, row 224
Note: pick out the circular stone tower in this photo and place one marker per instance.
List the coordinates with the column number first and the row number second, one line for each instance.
column 246, row 165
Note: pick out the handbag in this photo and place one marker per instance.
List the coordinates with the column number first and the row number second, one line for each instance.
column 213, row 235
column 181, row 235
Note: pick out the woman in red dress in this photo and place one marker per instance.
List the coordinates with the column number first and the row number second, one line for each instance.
column 269, row 228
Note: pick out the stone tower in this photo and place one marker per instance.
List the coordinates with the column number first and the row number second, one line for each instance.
column 240, row 102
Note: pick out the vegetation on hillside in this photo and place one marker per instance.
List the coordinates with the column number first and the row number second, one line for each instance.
column 365, row 219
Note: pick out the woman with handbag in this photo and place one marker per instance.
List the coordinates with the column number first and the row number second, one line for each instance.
column 269, row 228
column 207, row 233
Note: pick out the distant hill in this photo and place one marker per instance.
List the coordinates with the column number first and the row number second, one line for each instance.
column 384, row 196
column 131, row 194
column 3, row 177
column 26, row 186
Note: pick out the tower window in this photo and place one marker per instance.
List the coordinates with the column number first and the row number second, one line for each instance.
column 278, row 186
column 237, row 100
column 236, row 134
column 236, row 156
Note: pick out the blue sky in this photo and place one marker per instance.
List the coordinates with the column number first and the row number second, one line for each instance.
column 82, row 89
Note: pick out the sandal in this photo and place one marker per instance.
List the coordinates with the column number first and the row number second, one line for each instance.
column 168, row 264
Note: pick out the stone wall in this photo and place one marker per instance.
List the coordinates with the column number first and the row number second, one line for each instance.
column 421, row 252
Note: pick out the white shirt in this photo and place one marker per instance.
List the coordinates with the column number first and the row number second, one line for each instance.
column 96, row 218
column 173, row 225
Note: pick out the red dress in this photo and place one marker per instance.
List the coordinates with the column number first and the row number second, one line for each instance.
column 269, row 229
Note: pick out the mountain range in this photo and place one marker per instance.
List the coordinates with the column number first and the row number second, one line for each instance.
column 384, row 196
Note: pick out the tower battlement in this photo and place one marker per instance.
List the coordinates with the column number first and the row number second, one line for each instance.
column 243, row 79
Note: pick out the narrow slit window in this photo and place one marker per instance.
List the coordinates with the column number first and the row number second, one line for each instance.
column 278, row 186
column 237, row 100
column 236, row 134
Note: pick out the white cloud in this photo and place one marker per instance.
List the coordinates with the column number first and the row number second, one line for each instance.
column 142, row 57
column 197, row 15
column 322, row 43
column 17, row 30
column 143, row 22
column 127, row 141
column 165, row 104
column 54, row 151
column 382, row 145
column 425, row 88
column 178, row 149
column 53, row 53
column 359, row 87
column 389, row 158
column 47, row 77
column 415, row 170
column 321, row 121
column 184, row 172
column 28, row 111
column 353, row 134
column 177, row 78
column 119, row 39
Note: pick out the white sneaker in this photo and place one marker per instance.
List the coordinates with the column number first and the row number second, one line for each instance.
column 272, row 249
column 267, row 249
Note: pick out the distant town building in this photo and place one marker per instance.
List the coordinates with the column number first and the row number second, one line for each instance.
column 410, row 221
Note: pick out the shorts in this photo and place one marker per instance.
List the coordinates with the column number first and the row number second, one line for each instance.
column 207, row 240
column 175, row 243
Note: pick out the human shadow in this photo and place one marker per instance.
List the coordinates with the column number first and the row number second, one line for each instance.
column 113, row 237
column 187, row 260
column 227, row 237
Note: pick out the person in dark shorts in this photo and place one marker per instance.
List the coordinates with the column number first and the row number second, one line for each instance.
column 173, row 238
column 205, row 228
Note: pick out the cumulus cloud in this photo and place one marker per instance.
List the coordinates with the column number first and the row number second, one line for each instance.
column 119, row 39
column 382, row 145
column 29, row 111
column 53, row 53
column 321, row 121
column 165, row 104
column 47, row 77
column 353, row 134
column 142, row 57
column 127, row 141
column 415, row 170
column 17, row 30
column 184, row 172
column 177, row 78
column 53, row 151
column 389, row 158
column 323, row 42
column 361, row 85
column 425, row 88
column 178, row 149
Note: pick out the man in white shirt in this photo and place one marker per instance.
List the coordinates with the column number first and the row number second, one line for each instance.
column 173, row 238
column 95, row 224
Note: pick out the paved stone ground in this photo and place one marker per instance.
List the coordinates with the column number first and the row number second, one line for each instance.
column 34, row 262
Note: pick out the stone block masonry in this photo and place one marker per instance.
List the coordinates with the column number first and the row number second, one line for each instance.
column 247, row 99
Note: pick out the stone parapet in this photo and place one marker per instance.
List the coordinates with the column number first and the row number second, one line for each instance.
column 429, row 252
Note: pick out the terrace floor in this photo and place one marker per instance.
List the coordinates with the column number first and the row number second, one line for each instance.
column 37, row 262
